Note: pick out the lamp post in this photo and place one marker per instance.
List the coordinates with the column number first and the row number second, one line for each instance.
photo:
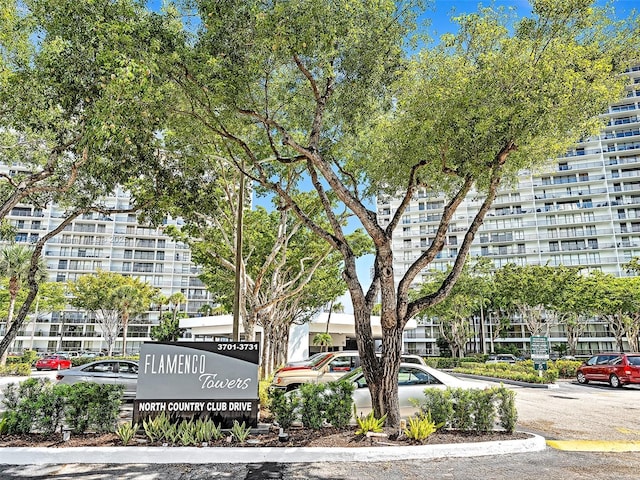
column 237, row 297
column 61, row 332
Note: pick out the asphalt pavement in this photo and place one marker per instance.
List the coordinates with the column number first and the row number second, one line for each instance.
column 564, row 416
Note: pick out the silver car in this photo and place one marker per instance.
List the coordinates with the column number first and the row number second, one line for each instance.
column 412, row 381
column 107, row 372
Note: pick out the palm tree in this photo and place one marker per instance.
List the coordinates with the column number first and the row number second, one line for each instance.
column 15, row 261
column 132, row 298
column 175, row 300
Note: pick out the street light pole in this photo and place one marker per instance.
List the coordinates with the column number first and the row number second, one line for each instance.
column 237, row 293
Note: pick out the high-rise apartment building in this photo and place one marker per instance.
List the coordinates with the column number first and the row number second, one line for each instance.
column 583, row 210
column 96, row 242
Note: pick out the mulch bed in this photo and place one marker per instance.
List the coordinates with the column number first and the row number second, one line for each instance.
column 298, row 437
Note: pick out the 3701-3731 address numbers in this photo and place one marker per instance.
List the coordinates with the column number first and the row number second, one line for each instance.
column 237, row 346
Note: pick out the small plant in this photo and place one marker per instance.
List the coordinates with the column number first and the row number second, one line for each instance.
column 507, row 409
column 186, row 433
column 4, row 424
column 339, row 403
column 438, row 404
column 285, row 407
column 484, row 416
column 126, row 432
column 370, row 424
column 313, row 398
column 240, row 432
column 155, row 427
column 207, row 430
column 421, row 427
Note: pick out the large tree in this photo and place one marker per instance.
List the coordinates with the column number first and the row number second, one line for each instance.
column 81, row 104
column 325, row 88
column 113, row 298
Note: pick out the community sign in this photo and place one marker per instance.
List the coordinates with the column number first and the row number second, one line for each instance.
column 192, row 380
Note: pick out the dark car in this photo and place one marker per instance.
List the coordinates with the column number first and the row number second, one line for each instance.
column 53, row 362
column 616, row 369
column 107, row 372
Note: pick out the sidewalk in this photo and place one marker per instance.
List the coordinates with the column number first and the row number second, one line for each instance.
column 196, row 455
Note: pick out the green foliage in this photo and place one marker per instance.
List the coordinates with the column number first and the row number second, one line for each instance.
column 419, row 428
column 93, row 406
column 484, row 410
column 187, row 433
column 521, row 371
column 239, row 431
column 207, row 430
column 339, row 403
column 507, row 411
column 16, row 369
column 285, row 407
column 370, row 424
column 566, row 368
column 126, row 432
column 29, row 357
column 114, row 297
column 313, row 404
column 4, row 423
column 22, row 402
column 168, row 330
column 437, row 404
column 463, row 408
column 154, row 427
column 470, row 409
column 37, row 404
column 263, row 392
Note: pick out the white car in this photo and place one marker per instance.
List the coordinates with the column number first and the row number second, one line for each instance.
column 412, row 381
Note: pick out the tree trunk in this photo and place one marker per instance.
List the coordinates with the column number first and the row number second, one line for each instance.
column 125, row 327
column 12, row 306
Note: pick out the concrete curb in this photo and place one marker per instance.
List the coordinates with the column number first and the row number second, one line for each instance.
column 196, row 455
column 507, row 381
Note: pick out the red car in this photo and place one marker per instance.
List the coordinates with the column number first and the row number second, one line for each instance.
column 53, row 362
column 617, row 369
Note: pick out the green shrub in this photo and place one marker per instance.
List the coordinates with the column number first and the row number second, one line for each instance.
column 16, row 369
column 437, row 404
column 507, row 411
column 313, row 404
column 484, row 410
column 470, row 409
column 284, row 407
column 566, row 368
column 93, row 406
column 13, row 359
column 51, row 408
column 463, row 408
column 29, row 357
column 263, row 393
column 22, row 404
column 338, row 406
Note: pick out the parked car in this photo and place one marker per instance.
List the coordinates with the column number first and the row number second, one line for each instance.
column 617, row 369
column 502, row 358
column 412, row 381
column 324, row 367
column 53, row 362
column 107, row 372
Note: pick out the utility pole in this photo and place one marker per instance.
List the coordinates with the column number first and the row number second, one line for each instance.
column 237, row 297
